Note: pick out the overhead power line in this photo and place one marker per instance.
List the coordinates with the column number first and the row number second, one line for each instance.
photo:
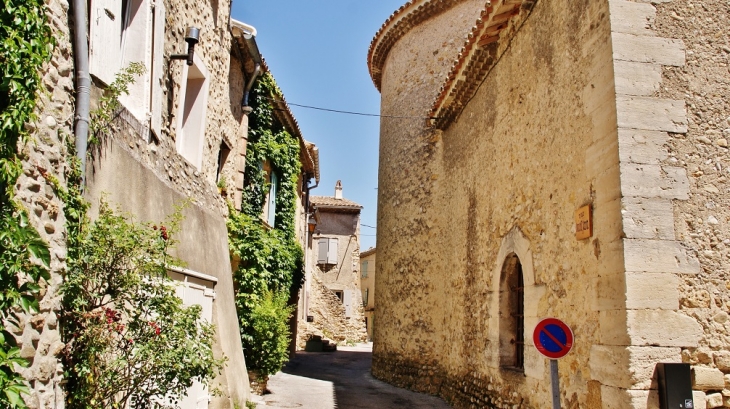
column 365, row 225
column 351, row 112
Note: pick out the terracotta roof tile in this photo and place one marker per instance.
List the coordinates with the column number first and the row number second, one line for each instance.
column 399, row 23
column 329, row 201
column 476, row 58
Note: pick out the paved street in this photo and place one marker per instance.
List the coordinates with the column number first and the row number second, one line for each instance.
column 342, row 380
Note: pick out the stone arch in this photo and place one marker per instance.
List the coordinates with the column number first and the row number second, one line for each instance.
column 515, row 244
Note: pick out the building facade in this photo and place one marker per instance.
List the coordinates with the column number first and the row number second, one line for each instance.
column 612, row 108
column 367, row 286
column 179, row 132
column 332, row 306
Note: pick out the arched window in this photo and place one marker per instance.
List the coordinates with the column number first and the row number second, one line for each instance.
column 512, row 315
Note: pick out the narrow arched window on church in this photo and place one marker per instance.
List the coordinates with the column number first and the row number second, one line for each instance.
column 512, row 315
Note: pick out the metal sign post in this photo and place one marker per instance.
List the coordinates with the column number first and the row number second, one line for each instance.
column 555, row 380
column 554, row 339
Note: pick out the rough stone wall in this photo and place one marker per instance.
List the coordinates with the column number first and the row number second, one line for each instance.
column 325, row 279
column 643, row 300
column 38, row 334
column 701, row 221
column 329, row 317
column 537, row 142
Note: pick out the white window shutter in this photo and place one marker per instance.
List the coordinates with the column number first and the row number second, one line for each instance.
column 322, row 246
column 332, row 252
column 347, row 300
column 158, row 53
column 271, row 219
column 137, row 48
column 105, row 51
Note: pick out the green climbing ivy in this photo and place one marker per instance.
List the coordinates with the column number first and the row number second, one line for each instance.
column 25, row 45
column 269, row 261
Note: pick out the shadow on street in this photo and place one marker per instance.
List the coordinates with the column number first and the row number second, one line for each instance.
column 341, row 379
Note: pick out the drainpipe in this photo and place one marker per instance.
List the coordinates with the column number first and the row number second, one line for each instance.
column 83, row 87
column 248, row 33
column 307, row 271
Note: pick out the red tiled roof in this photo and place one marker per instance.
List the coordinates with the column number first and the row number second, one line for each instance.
column 399, row 23
column 329, row 201
column 367, row 252
column 474, row 61
column 476, row 58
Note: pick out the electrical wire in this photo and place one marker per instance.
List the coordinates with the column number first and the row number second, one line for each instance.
column 365, row 225
column 352, row 113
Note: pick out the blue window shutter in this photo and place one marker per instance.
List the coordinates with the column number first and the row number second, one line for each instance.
column 272, row 199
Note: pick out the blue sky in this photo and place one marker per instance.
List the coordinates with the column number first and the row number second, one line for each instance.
column 317, row 51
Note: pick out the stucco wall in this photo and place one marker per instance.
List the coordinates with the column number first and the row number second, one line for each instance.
column 537, row 142
column 367, row 284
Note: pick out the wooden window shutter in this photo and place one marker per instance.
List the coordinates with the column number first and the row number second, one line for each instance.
column 332, row 252
column 105, row 50
column 323, row 245
column 347, row 300
column 158, row 54
column 272, row 199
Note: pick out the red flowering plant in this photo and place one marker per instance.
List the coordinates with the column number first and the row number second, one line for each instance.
column 130, row 340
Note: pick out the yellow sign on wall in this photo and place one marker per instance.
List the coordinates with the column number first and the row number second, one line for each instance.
column 583, row 223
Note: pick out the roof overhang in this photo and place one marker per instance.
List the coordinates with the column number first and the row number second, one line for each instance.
column 499, row 20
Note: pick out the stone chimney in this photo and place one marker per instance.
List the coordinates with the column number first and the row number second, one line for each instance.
column 338, row 190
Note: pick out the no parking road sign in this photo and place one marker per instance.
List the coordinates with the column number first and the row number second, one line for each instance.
column 553, row 338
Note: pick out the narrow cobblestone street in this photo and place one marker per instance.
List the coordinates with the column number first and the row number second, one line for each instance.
column 341, row 379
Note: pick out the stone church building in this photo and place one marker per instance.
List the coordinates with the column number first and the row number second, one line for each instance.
column 505, row 122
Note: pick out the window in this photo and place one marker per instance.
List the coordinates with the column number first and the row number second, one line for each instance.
column 365, row 295
column 127, row 31
column 273, row 187
column 364, row 269
column 338, row 294
column 191, row 113
column 327, row 250
column 269, row 213
column 512, row 315
column 223, row 153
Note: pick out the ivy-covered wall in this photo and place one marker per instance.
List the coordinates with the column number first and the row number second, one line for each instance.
column 268, row 261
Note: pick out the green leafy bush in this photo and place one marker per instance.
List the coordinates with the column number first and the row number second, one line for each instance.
column 269, row 332
column 130, row 340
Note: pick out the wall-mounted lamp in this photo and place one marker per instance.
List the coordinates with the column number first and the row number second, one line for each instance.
column 311, row 224
column 192, row 35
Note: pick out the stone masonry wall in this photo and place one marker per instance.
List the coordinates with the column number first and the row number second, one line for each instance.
column 38, row 334
column 329, row 317
column 645, row 292
column 535, row 143
column 702, row 221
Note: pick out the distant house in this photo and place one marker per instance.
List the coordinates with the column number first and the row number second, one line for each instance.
column 367, row 286
column 331, row 300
